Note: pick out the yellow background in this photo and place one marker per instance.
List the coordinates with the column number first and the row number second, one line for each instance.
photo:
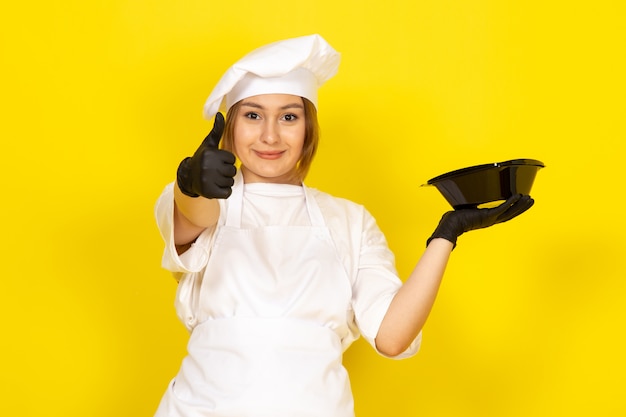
column 102, row 99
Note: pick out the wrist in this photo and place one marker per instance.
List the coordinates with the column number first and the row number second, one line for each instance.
column 183, row 178
column 446, row 238
column 447, row 229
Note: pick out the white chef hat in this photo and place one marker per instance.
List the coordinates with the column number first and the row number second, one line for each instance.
column 297, row 66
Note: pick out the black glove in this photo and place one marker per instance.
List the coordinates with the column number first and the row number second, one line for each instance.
column 454, row 223
column 209, row 172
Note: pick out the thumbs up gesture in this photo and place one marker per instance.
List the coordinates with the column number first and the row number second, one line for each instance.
column 209, row 172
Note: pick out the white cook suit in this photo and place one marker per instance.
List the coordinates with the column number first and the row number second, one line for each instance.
column 272, row 296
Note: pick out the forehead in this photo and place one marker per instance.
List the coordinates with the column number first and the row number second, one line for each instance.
column 273, row 101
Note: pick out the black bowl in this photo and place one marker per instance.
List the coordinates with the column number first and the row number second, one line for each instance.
column 481, row 184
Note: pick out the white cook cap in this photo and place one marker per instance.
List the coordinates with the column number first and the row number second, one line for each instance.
column 297, row 66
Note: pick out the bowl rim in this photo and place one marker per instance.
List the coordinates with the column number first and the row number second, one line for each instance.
column 482, row 167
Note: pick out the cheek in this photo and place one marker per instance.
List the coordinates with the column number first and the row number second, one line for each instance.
column 239, row 138
column 298, row 139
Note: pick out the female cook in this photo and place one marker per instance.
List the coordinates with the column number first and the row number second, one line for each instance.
column 276, row 279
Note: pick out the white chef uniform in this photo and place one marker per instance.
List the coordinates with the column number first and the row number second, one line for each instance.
column 271, row 309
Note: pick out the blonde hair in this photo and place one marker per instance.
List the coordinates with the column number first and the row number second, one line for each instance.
column 311, row 136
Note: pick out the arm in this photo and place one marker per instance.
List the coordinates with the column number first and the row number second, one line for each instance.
column 412, row 304
column 191, row 216
column 414, row 301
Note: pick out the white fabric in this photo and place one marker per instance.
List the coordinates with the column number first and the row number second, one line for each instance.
column 278, row 368
column 337, row 281
column 261, row 199
column 297, row 66
column 261, row 346
column 361, row 246
column 299, row 82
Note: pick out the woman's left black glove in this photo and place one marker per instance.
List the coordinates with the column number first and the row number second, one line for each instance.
column 454, row 223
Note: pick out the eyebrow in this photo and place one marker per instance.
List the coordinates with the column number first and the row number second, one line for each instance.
column 285, row 107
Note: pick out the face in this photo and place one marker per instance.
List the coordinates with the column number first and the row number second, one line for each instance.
column 269, row 132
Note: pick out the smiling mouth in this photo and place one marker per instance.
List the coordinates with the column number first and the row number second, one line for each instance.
column 269, row 155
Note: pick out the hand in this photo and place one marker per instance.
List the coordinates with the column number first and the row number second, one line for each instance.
column 454, row 223
column 209, row 172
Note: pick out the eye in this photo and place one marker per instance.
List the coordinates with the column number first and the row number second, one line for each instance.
column 252, row 115
column 290, row 117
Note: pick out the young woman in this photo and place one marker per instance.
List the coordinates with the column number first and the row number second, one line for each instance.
column 276, row 279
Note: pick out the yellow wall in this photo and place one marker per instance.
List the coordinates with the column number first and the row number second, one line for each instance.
column 101, row 99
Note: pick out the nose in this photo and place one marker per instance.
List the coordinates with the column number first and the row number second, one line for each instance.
column 270, row 133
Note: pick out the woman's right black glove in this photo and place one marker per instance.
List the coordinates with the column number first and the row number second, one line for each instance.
column 209, row 172
column 454, row 223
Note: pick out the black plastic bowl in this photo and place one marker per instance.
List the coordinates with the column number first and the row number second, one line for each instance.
column 482, row 184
